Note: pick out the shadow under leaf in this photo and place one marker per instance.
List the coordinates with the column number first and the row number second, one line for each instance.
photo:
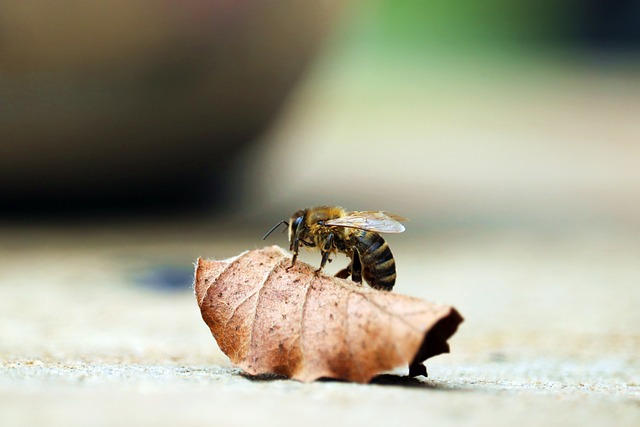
column 409, row 381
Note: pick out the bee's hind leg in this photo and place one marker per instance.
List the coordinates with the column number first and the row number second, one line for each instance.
column 344, row 273
column 356, row 268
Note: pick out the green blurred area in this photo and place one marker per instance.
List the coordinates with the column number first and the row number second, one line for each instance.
column 382, row 45
column 464, row 24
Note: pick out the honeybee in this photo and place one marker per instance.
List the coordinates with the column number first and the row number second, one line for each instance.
column 331, row 229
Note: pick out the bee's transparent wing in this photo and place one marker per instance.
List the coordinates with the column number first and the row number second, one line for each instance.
column 378, row 221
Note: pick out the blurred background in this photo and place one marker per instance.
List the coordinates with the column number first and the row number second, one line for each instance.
column 138, row 135
column 495, row 112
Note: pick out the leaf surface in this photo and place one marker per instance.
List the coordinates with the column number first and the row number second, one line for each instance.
column 306, row 326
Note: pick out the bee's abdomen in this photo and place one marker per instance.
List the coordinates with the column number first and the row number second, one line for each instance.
column 378, row 265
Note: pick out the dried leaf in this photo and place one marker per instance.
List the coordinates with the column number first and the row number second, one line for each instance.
column 306, row 326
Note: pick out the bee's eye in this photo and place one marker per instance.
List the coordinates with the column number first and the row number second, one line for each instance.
column 296, row 222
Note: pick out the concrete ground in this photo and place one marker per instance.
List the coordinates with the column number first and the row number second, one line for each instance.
column 98, row 327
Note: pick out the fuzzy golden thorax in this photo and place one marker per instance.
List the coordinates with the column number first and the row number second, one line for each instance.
column 307, row 225
column 317, row 232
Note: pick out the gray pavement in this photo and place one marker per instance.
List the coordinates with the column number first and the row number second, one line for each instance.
column 551, row 334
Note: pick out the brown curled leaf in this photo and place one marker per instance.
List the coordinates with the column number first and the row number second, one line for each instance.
column 306, row 326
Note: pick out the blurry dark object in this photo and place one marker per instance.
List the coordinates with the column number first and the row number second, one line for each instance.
column 166, row 278
column 117, row 103
column 612, row 24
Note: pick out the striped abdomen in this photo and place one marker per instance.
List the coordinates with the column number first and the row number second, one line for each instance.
column 378, row 265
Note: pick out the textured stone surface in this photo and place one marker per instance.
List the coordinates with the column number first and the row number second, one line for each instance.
column 89, row 334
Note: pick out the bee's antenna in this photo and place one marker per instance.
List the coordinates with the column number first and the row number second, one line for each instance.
column 274, row 227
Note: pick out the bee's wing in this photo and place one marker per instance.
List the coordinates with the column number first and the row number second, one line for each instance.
column 381, row 222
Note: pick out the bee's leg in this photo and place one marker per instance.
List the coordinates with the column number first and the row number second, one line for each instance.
column 326, row 251
column 325, row 256
column 344, row 273
column 294, row 247
column 293, row 261
column 356, row 268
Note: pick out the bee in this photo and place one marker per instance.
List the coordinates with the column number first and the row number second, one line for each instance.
column 331, row 229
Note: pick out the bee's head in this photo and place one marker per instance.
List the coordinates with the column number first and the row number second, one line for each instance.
column 294, row 225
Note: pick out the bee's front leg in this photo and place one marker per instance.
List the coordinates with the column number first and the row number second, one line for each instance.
column 294, row 247
column 293, row 261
